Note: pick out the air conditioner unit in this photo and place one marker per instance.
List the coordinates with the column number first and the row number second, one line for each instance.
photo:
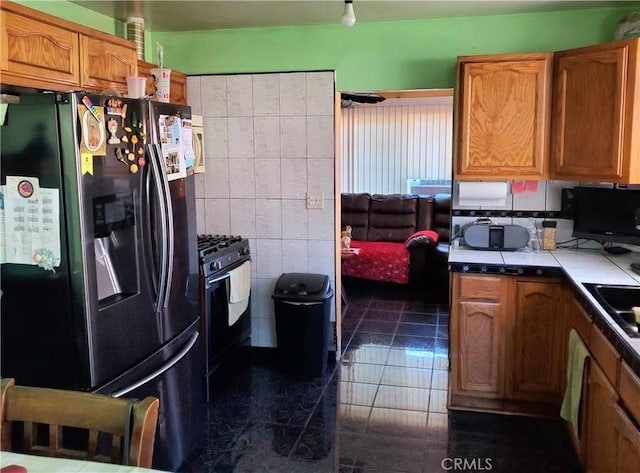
column 427, row 186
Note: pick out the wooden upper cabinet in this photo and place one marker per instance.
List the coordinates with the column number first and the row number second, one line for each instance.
column 106, row 62
column 178, row 91
column 596, row 120
column 178, row 86
column 36, row 51
column 42, row 51
column 503, row 109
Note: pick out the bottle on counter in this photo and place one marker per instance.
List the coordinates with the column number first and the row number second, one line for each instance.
column 549, row 235
column 534, row 238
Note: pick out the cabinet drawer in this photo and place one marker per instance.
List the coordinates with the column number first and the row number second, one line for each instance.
column 578, row 319
column 474, row 287
column 629, row 390
column 604, row 353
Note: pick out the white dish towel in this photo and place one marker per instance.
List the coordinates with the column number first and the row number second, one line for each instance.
column 238, row 291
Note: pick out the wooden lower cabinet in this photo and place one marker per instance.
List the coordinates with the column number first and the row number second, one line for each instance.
column 600, row 417
column 610, row 414
column 627, row 437
column 481, row 362
column 506, row 343
column 536, row 329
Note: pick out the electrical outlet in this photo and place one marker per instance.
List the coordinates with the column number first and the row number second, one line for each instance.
column 315, row 200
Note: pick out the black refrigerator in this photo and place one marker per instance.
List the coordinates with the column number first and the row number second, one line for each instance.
column 99, row 275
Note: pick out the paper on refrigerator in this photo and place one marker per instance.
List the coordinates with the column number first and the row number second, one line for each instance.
column 187, row 144
column 31, row 230
column 171, row 144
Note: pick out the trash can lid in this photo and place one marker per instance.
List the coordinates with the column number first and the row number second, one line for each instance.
column 301, row 284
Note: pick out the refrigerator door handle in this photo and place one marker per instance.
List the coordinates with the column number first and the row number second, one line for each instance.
column 180, row 355
column 170, row 236
column 157, row 169
column 148, row 228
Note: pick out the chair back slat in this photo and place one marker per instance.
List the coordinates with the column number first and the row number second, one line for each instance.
column 103, row 417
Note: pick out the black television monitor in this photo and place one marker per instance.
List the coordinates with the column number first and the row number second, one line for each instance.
column 606, row 214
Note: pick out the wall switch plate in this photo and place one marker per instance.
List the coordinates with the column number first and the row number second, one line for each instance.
column 315, row 200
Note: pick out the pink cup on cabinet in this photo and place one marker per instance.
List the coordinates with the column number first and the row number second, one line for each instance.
column 136, row 87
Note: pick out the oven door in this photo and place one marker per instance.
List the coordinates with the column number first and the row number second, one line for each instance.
column 223, row 338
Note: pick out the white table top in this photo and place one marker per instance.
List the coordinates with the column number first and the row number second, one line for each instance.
column 36, row 464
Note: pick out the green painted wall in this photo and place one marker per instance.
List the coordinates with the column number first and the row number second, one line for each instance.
column 411, row 54
column 77, row 14
column 386, row 55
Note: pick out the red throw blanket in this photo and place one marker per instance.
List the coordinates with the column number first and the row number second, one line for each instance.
column 380, row 261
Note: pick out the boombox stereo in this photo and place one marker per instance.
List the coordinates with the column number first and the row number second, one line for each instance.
column 484, row 236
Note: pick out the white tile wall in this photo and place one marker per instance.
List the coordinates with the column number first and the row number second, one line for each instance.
column 213, row 90
column 240, row 95
column 293, row 93
column 293, row 136
column 269, row 139
column 268, row 184
column 266, row 95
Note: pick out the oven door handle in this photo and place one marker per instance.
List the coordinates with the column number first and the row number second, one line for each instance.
column 219, row 278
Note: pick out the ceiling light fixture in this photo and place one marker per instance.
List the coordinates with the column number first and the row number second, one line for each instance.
column 348, row 17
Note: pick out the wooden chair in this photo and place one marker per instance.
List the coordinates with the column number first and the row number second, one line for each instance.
column 125, row 428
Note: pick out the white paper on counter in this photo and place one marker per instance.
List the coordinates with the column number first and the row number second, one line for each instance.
column 482, row 193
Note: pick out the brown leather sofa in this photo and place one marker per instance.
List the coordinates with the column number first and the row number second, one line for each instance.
column 396, row 218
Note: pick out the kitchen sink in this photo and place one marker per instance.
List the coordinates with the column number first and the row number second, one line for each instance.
column 618, row 301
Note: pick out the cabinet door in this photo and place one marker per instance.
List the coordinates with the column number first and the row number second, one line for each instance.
column 628, row 443
column 37, row 54
column 477, row 331
column 593, row 115
column 178, row 91
column 107, row 62
column 535, row 342
column 480, row 331
column 575, row 319
column 601, row 416
column 503, row 108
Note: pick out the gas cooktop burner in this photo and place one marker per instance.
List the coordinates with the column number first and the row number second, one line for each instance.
column 218, row 252
column 214, row 243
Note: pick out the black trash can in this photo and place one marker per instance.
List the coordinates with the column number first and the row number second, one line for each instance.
column 302, row 303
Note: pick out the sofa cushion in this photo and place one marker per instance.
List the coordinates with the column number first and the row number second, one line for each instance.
column 379, row 261
column 392, row 218
column 355, row 212
column 442, row 216
column 421, row 238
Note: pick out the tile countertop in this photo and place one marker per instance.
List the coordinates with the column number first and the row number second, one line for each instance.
column 579, row 265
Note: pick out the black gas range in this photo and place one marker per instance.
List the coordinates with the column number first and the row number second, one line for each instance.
column 219, row 253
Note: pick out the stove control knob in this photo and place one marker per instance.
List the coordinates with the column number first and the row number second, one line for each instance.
column 215, row 266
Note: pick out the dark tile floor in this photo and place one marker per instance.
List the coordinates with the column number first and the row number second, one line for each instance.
column 382, row 408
